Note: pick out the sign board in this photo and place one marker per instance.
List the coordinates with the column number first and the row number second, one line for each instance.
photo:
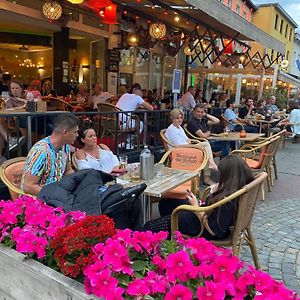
column 114, row 58
column 176, row 83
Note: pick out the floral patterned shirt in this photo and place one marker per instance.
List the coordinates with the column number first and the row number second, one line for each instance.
column 46, row 162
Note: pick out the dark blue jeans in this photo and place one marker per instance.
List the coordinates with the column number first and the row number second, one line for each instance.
column 222, row 146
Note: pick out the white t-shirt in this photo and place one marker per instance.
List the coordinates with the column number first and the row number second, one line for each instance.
column 176, row 135
column 100, row 98
column 187, row 100
column 294, row 118
column 106, row 162
column 128, row 102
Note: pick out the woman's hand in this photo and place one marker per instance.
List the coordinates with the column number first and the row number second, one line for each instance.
column 192, row 198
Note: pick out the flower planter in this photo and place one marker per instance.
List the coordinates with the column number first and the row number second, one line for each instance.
column 27, row 279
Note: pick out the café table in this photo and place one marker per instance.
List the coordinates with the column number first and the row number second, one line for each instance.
column 235, row 136
column 157, row 186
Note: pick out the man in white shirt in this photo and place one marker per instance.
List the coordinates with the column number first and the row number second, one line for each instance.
column 187, row 100
column 130, row 102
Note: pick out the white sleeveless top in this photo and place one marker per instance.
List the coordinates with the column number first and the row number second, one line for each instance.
column 106, row 161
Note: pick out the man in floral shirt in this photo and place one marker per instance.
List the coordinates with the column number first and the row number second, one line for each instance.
column 49, row 159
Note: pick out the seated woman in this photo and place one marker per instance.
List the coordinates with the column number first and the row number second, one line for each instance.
column 16, row 98
column 176, row 135
column 261, row 107
column 234, row 174
column 47, row 90
column 92, row 156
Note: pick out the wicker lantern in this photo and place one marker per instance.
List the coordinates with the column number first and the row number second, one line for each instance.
column 187, row 51
column 157, row 30
column 75, row 1
column 52, row 10
column 133, row 40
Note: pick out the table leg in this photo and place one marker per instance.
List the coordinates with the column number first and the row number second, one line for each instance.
column 146, row 208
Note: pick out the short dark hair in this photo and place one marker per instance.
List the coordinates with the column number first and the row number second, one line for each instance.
column 199, row 105
column 135, row 86
column 65, row 122
column 229, row 102
column 293, row 104
column 190, row 87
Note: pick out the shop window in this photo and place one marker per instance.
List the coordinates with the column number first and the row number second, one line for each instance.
column 276, row 22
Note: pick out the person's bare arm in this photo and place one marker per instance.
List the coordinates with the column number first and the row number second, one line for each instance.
column 146, row 105
column 202, row 134
column 211, row 120
column 69, row 170
column 31, row 184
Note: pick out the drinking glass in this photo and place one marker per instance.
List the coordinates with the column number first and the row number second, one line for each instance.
column 226, row 131
column 159, row 169
column 5, row 95
column 123, row 161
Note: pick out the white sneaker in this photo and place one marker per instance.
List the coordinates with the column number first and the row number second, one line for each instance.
column 122, row 145
column 129, row 147
column 14, row 142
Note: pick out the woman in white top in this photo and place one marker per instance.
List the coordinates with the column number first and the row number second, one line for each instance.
column 176, row 135
column 294, row 119
column 92, row 156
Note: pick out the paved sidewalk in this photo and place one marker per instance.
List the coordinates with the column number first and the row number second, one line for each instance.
column 276, row 224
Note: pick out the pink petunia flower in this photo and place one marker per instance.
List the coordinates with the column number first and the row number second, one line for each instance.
column 211, row 291
column 138, row 288
column 179, row 292
column 179, row 265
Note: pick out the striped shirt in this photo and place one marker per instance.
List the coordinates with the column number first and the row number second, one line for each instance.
column 46, row 162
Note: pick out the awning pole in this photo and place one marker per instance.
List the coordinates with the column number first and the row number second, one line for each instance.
column 238, row 86
column 261, row 84
column 276, row 68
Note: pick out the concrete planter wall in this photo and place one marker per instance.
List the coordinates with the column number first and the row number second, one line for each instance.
column 27, row 279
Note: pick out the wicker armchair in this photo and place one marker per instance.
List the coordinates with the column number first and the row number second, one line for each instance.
column 194, row 137
column 11, row 172
column 260, row 158
column 247, row 198
column 191, row 158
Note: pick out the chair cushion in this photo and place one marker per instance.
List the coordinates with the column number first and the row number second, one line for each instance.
column 256, row 164
column 14, row 173
column 179, row 192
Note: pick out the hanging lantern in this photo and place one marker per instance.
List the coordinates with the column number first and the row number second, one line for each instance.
column 157, row 30
column 187, row 51
column 110, row 14
column 75, row 1
column 228, row 46
column 52, row 10
column 133, row 40
column 98, row 4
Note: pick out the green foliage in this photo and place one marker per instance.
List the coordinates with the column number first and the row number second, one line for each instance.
column 281, row 96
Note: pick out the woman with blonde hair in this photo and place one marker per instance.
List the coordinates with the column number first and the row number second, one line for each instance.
column 176, row 135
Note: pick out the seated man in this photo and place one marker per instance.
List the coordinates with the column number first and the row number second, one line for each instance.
column 49, row 159
column 198, row 125
column 234, row 120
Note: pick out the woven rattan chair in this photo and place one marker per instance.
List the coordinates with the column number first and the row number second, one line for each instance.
column 227, row 122
column 251, row 145
column 190, row 135
column 260, row 158
column 11, row 172
column 167, row 144
column 190, row 158
column 247, row 198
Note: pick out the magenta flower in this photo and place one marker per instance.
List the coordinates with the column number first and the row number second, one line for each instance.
column 179, row 292
column 116, row 255
column 138, row 288
column 179, row 265
column 157, row 283
column 9, row 213
column 211, row 291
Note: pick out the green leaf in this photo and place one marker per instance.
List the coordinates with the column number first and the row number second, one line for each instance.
column 139, row 265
